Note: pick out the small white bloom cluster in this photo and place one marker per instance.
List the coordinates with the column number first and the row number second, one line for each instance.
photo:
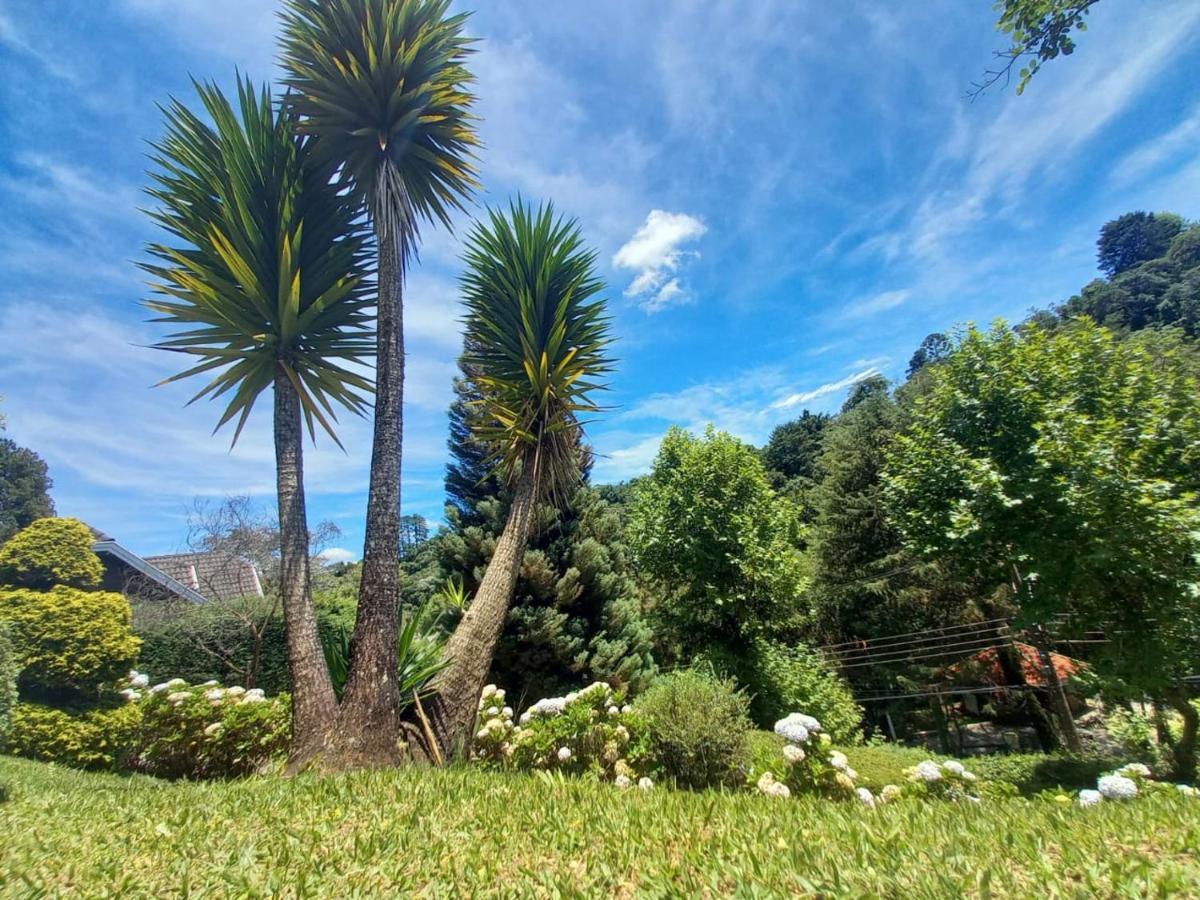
column 949, row 779
column 797, row 728
column 555, row 706
column 138, row 682
column 1123, row 784
column 865, row 797
column 772, row 788
column 810, row 763
column 493, row 739
column 890, row 793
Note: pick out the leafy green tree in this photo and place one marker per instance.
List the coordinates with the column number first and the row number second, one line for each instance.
column 265, row 283
column 24, row 488
column 932, row 349
column 1066, row 463
column 1040, row 30
column 1135, row 238
column 536, row 338
column 706, row 525
column 49, row 552
column 383, row 86
column 792, row 450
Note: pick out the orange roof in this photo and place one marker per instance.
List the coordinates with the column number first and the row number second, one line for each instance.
column 986, row 666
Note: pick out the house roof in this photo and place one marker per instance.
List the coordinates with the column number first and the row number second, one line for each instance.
column 217, row 576
column 107, row 547
column 986, row 665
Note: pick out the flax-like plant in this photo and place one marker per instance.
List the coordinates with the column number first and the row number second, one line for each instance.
column 537, row 341
column 264, row 281
column 384, row 86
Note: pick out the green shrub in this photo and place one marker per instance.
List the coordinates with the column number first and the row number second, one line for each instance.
column 8, row 677
column 1031, row 773
column 208, row 731
column 100, row 738
column 51, row 552
column 69, row 639
column 783, row 680
column 696, row 727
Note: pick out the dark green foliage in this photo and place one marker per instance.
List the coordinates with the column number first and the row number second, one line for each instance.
column 414, row 531
column 793, row 448
column 696, row 728
column 1040, row 30
column 1034, row 772
column 470, row 476
column 50, row 552
column 1135, row 238
column 863, row 390
column 24, row 489
column 577, row 611
column 935, row 347
column 103, row 737
column 9, row 668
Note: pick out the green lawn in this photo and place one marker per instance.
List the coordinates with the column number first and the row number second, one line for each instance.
column 467, row 832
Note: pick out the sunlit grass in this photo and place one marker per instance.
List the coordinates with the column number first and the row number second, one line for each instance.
column 469, row 832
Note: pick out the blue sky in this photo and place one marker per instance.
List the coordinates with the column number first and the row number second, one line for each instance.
column 785, row 197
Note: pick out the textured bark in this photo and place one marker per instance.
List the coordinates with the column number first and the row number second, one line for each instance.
column 314, row 705
column 368, row 730
column 1185, row 747
column 452, row 709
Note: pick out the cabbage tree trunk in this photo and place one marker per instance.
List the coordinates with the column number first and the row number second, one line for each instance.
column 452, row 710
column 368, row 730
column 1185, row 747
column 314, row 706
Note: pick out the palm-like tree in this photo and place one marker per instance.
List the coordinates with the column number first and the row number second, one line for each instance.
column 536, row 338
column 265, row 280
column 383, row 84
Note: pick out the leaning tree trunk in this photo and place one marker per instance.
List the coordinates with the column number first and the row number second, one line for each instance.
column 1185, row 747
column 314, row 705
column 368, row 731
column 450, row 714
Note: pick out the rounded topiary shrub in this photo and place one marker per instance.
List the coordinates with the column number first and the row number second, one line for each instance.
column 100, row 738
column 51, row 552
column 8, row 677
column 695, row 727
column 67, row 639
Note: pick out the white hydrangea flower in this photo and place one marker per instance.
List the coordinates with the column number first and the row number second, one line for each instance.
column 792, row 754
column 838, row 760
column 493, row 712
column 159, row 688
column 1117, row 787
column 212, row 682
column 131, row 695
column 626, row 709
column 612, row 711
column 213, row 729
column 548, row 706
column 645, row 783
column 954, row 766
column 214, row 695
column 770, row 787
column 236, row 691
column 481, row 734
column 1134, row 770
column 489, row 690
column 622, row 733
column 850, row 773
column 622, row 781
column 865, row 797
column 507, row 712
column 176, row 682
column 138, row 679
column 1090, row 798
column 791, row 732
column 890, row 793
column 1187, row 790
column 564, row 754
column 254, row 696
column 968, row 776
column 928, row 771
column 493, row 725
column 177, row 697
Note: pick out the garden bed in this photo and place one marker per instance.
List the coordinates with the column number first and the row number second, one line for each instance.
column 477, row 832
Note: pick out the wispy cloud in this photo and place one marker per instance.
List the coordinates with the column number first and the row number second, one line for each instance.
column 876, row 303
column 832, row 387
column 655, row 253
column 1150, row 155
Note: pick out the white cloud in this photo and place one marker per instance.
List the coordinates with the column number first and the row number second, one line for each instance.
column 333, row 555
column 824, row 390
column 655, row 252
column 1153, row 153
column 876, row 303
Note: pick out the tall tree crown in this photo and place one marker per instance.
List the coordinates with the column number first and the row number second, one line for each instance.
column 536, row 339
column 267, row 272
column 384, row 85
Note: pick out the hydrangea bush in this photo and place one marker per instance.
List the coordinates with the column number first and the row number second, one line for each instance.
column 1129, row 782
column 809, row 765
column 587, row 732
column 949, row 780
column 206, row 730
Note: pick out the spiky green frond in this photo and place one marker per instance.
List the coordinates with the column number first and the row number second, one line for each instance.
column 536, row 338
column 384, row 85
column 266, row 269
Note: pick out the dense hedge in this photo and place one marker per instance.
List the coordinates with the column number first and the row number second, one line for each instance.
column 69, row 639
column 1033, row 772
column 101, row 738
column 51, row 552
column 171, row 644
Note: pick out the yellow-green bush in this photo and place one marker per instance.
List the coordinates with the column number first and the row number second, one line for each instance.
column 8, row 677
column 68, row 639
column 51, row 552
column 94, row 739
